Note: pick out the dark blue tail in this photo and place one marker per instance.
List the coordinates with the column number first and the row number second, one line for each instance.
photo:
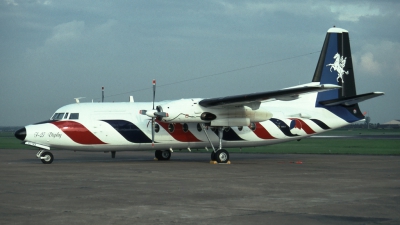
column 335, row 66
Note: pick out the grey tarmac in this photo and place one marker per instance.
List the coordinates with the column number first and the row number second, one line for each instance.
column 93, row 188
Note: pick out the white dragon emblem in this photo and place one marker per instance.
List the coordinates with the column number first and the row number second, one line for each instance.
column 338, row 66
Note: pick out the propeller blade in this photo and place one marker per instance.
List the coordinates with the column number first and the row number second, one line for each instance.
column 152, row 113
column 152, row 132
column 154, row 91
column 161, row 114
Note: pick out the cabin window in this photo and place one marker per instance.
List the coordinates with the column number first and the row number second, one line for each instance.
column 252, row 126
column 171, row 127
column 185, row 127
column 156, row 128
column 240, row 128
column 74, row 116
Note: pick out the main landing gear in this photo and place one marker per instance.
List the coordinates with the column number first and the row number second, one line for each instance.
column 163, row 155
column 220, row 155
column 45, row 156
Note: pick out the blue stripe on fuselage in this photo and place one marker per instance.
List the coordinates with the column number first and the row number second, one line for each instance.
column 129, row 131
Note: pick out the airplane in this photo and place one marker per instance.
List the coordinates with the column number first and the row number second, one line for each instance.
column 328, row 102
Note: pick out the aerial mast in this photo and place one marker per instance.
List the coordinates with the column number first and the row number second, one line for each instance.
column 102, row 94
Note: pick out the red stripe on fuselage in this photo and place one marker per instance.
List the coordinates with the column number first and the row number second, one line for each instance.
column 305, row 127
column 77, row 132
column 297, row 124
column 178, row 133
column 262, row 133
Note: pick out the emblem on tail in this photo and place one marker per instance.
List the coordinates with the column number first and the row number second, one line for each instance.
column 338, row 66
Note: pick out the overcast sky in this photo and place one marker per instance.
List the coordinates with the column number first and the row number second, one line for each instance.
column 53, row 51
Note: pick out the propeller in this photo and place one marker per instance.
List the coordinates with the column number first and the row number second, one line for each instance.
column 153, row 118
column 156, row 112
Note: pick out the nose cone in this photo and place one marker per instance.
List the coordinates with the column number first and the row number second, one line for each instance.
column 20, row 134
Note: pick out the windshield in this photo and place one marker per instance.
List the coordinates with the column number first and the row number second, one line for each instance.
column 57, row 116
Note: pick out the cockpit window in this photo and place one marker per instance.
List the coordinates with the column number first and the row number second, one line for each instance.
column 57, row 116
column 74, row 116
column 66, row 116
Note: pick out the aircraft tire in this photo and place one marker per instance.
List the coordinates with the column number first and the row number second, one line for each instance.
column 49, row 157
column 158, row 154
column 213, row 156
column 166, row 155
column 222, row 156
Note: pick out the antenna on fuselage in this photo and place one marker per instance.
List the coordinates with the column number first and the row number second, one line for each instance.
column 102, row 94
column 77, row 99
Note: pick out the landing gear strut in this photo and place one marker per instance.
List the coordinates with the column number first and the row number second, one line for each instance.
column 220, row 155
column 45, row 156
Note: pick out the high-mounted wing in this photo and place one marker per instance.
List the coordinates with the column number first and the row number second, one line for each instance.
column 284, row 94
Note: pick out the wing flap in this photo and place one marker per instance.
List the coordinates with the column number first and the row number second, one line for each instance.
column 347, row 101
column 284, row 94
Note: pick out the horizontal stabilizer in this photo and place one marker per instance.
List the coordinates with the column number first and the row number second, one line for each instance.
column 284, row 94
column 347, row 101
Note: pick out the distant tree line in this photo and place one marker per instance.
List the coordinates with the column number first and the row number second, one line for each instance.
column 9, row 128
column 372, row 126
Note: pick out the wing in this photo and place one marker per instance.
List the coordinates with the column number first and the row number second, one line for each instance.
column 257, row 98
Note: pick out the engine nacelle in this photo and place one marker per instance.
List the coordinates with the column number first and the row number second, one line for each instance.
column 241, row 116
column 188, row 111
column 258, row 115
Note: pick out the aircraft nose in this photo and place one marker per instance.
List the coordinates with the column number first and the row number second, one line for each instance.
column 20, row 134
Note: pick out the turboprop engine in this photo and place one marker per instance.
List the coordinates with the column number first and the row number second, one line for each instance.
column 189, row 111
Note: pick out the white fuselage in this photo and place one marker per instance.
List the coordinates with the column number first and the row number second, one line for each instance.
column 120, row 126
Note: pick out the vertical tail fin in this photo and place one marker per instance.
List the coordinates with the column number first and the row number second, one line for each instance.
column 335, row 66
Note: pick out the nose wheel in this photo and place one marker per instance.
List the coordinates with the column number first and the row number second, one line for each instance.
column 45, row 156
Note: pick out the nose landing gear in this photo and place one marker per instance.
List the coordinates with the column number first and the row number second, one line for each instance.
column 45, row 156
